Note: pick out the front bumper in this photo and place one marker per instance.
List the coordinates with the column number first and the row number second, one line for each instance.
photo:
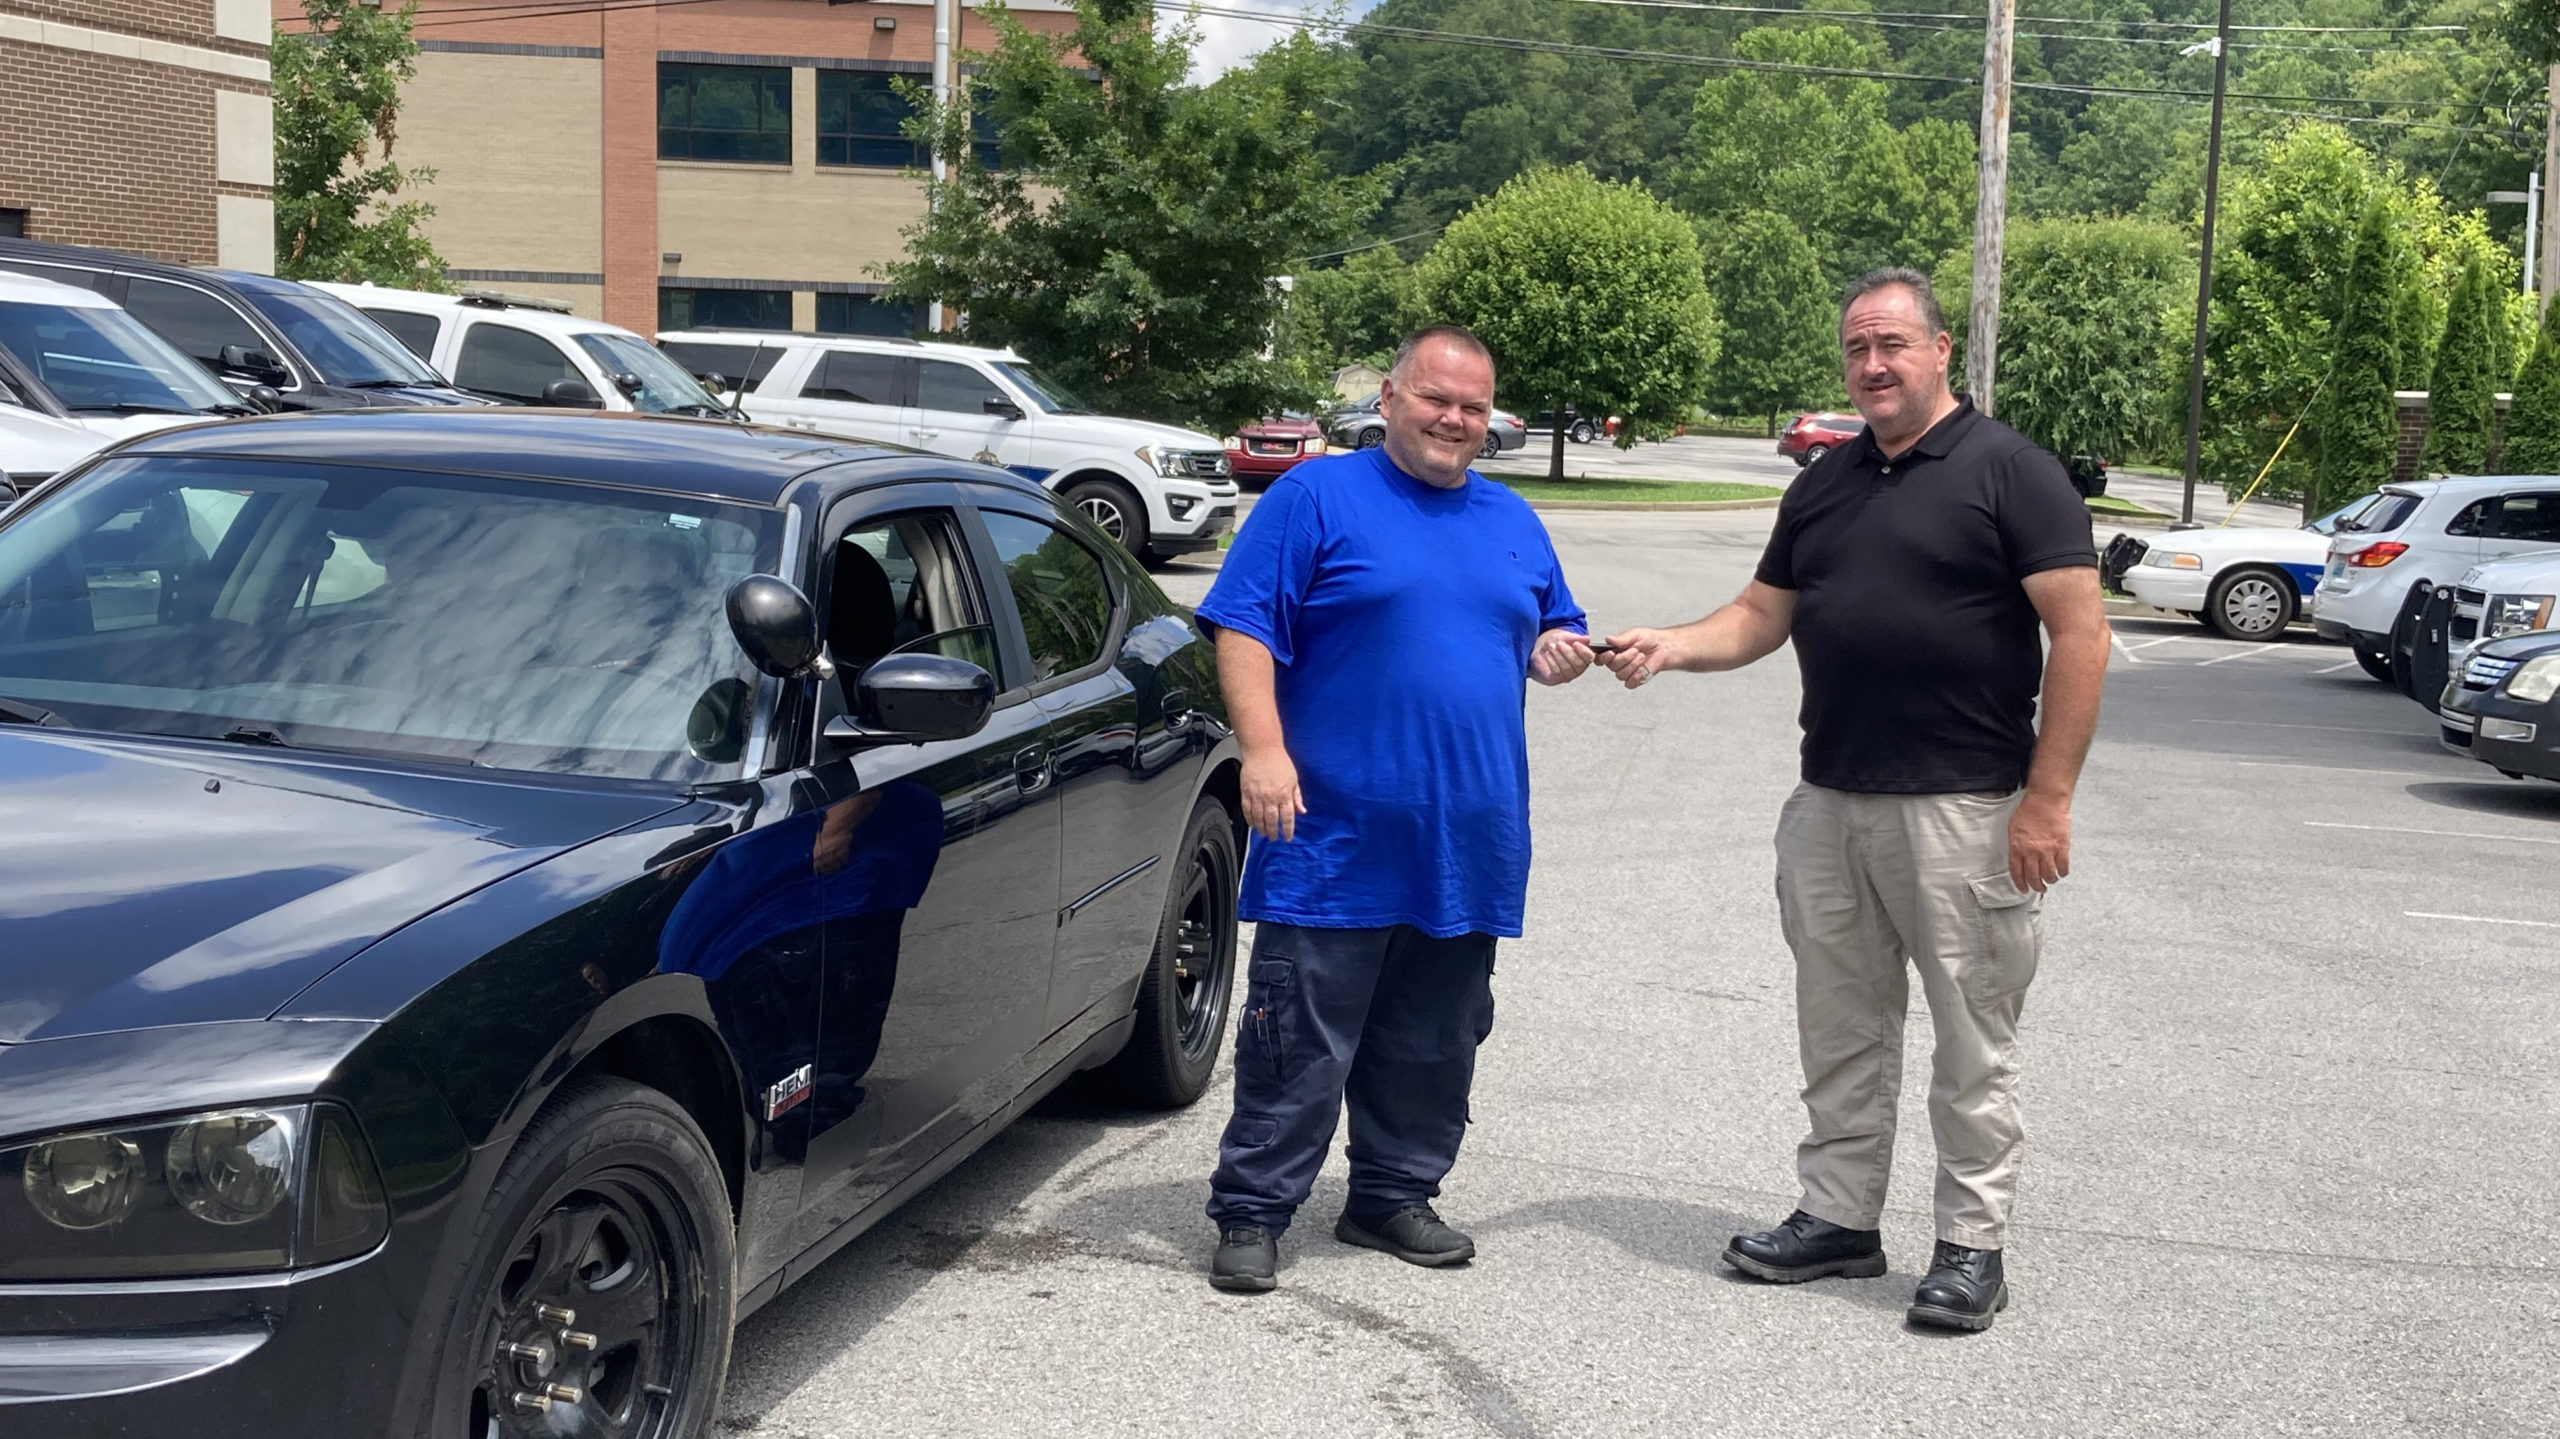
column 1221, row 518
column 249, row 1356
column 2509, row 736
column 2167, row 589
column 1191, row 514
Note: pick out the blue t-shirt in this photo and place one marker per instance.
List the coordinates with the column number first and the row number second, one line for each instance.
column 1402, row 616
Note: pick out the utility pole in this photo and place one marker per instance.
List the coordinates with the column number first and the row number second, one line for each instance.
column 941, row 106
column 1991, row 205
column 2204, row 262
column 2531, row 198
column 2551, row 213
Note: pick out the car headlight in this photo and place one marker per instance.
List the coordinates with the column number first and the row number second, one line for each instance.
column 1314, row 446
column 229, row 1192
column 2536, row 681
column 2171, row 560
column 2514, row 615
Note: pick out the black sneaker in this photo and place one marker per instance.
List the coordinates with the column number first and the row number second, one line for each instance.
column 1803, row 1248
column 1247, row 1261
column 1414, row 1234
column 1964, row 1289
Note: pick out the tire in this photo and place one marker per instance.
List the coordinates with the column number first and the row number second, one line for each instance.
column 623, row 1175
column 1113, row 509
column 1492, row 446
column 2204, row 618
column 1813, row 453
column 2404, row 642
column 1182, row 1006
column 2377, row 663
column 1581, row 432
column 1372, row 437
column 2251, row 604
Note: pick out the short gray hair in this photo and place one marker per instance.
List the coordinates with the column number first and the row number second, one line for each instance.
column 1458, row 335
column 1922, row 292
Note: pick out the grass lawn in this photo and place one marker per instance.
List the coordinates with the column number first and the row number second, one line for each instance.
column 2127, row 509
column 1650, row 492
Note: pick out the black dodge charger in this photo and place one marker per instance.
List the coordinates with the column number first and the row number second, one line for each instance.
column 487, row 899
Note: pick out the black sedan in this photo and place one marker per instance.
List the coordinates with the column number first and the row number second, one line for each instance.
column 488, row 898
column 2500, row 706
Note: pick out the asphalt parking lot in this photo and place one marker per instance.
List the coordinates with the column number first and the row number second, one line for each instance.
column 2288, row 1077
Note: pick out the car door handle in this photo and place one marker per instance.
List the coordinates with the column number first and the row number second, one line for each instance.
column 1177, row 710
column 1031, row 768
column 927, row 434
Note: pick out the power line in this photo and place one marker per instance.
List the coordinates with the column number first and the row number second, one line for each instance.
column 1877, row 15
column 1372, row 245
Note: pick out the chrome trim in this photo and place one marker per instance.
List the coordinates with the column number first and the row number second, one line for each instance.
column 1108, row 885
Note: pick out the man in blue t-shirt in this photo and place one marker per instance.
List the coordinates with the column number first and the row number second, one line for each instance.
column 1390, row 805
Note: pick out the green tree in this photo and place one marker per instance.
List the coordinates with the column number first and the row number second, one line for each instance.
column 2087, row 307
column 2460, row 403
column 1131, row 241
column 1588, row 292
column 2533, row 423
column 2354, row 430
column 1780, row 348
column 1355, row 313
column 337, row 97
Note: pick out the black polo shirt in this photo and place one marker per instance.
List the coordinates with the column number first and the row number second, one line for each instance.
column 1921, row 654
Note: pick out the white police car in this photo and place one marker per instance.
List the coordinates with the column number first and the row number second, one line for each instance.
column 2247, row 584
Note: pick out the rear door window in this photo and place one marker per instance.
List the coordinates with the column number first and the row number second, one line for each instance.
column 511, row 363
column 953, row 388
column 853, row 378
column 2533, row 517
column 192, row 319
column 1060, row 589
column 414, row 330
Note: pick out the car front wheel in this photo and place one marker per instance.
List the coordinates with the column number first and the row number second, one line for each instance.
column 2250, row 604
column 1373, row 437
column 599, row 1294
column 1182, row 1001
column 1113, row 510
column 1581, row 432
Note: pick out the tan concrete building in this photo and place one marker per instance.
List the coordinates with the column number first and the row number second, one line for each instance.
column 719, row 162
column 140, row 125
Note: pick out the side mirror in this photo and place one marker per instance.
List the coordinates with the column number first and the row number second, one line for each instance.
column 570, row 395
column 909, row 699
column 774, row 623
column 627, row 382
column 252, row 364
column 999, row 405
column 265, row 399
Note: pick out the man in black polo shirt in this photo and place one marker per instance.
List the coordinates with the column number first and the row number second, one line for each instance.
column 1912, row 567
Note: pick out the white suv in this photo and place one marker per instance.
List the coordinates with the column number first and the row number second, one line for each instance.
column 533, row 352
column 2416, row 536
column 1158, row 490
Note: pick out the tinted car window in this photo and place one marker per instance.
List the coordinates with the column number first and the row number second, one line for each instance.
column 855, row 379
column 2475, row 519
column 59, row 274
column 567, row 629
column 942, row 385
column 97, row 357
column 2388, row 511
column 664, row 386
column 732, row 363
column 334, row 335
column 193, row 319
column 2533, row 517
column 503, row 360
column 416, row 331
column 1060, row 589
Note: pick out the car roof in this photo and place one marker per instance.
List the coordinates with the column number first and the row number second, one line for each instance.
column 23, row 289
column 2464, row 485
column 747, row 463
column 939, row 349
column 522, row 310
column 96, row 258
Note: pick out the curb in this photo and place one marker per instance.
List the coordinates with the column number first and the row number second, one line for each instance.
column 1653, row 506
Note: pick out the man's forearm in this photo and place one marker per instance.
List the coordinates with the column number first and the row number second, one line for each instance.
column 1248, row 677
column 1748, row 629
column 2075, row 673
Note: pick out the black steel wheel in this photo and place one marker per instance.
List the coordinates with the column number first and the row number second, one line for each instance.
column 2251, row 604
column 598, row 1300
column 1113, row 510
column 1182, row 1001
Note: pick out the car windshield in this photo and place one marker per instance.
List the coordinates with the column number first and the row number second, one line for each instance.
column 97, row 358
column 2343, row 516
column 518, row 624
column 664, row 386
column 1047, row 393
column 2383, row 513
column 348, row 348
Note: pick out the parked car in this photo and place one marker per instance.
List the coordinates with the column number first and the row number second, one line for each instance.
column 1810, row 436
column 1158, row 490
column 1360, row 426
column 249, row 330
column 34, row 447
column 532, row 352
column 1503, row 431
column 71, row 354
column 2247, row 584
column 2499, row 707
column 491, row 898
column 2384, row 569
column 1580, row 428
column 1269, row 447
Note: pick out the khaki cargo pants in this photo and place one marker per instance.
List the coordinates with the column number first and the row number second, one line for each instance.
column 1871, row 886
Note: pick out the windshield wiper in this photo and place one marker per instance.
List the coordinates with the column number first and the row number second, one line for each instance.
column 257, row 734
column 396, row 385
column 136, row 410
column 20, row 712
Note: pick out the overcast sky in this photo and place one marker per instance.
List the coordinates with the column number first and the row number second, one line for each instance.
column 1226, row 42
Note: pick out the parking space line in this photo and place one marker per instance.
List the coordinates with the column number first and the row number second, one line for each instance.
column 2270, row 724
column 2335, row 768
column 2482, row 919
column 2146, row 644
column 2341, row 665
column 2121, row 648
column 2235, row 655
column 2439, row 833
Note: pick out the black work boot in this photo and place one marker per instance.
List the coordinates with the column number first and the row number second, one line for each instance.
column 1963, row 1290
column 1247, row 1260
column 1414, row 1234
column 1803, row 1247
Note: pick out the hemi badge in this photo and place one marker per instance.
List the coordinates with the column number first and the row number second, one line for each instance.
column 787, row 1093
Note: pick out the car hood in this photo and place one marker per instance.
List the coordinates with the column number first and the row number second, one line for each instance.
column 2294, row 546
column 33, row 444
column 1113, row 433
column 111, row 428
column 2534, row 574
column 155, row 883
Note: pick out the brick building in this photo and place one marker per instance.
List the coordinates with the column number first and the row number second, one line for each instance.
column 718, row 162
column 142, row 125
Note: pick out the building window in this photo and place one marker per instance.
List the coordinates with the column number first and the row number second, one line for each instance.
column 982, row 140
column 862, row 119
column 685, row 308
column 867, row 315
column 724, row 112
column 13, row 224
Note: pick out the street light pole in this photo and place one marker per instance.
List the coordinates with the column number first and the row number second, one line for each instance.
column 2531, row 198
column 2204, row 263
column 941, row 106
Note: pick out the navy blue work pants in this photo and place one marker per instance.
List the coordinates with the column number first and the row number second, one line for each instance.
column 1386, row 1018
